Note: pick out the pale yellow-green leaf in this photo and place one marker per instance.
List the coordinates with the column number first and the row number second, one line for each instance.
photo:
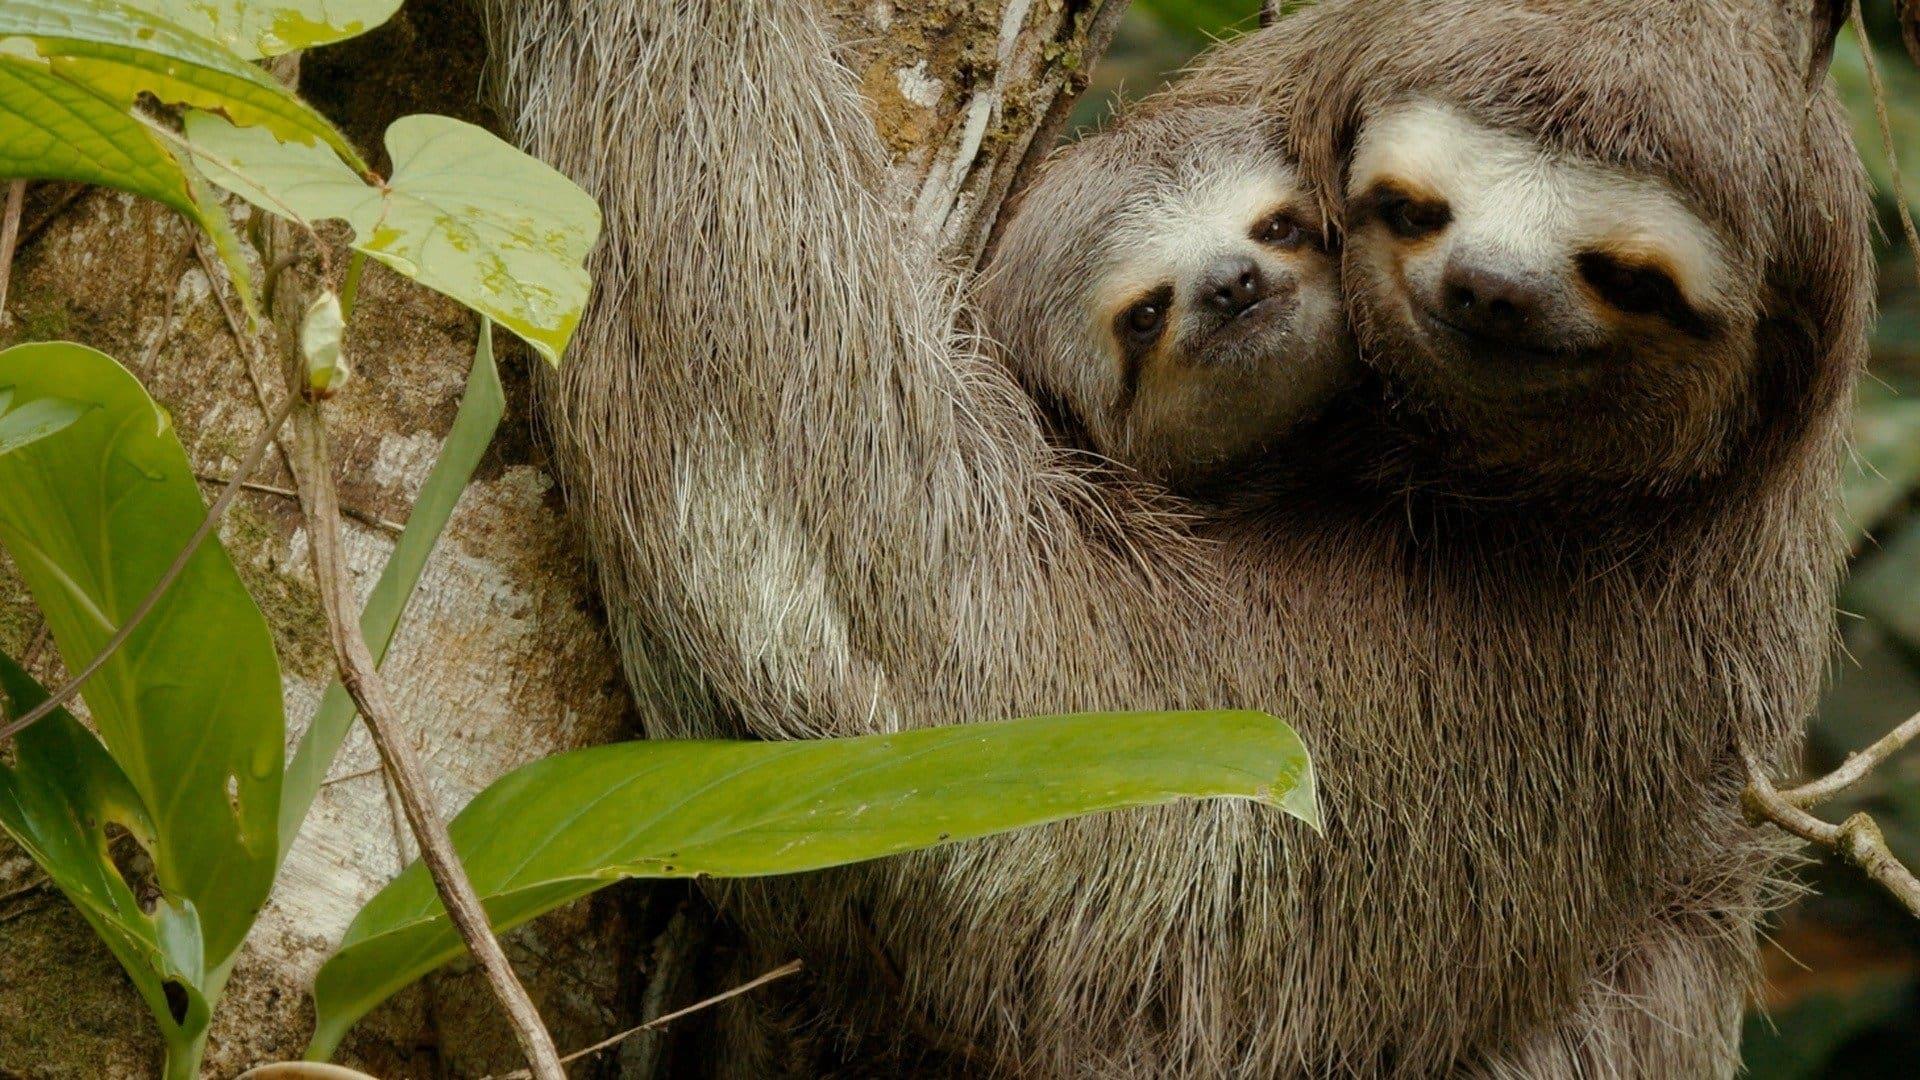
column 464, row 213
column 256, row 28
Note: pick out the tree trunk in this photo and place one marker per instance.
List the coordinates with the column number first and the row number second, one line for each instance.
column 503, row 657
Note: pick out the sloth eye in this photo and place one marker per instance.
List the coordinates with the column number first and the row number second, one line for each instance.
column 1412, row 218
column 1281, row 230
column 1636, row 289
column 1144, row 318
column 1139, row 325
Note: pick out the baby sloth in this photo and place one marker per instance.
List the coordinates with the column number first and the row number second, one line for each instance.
column 1194, row 317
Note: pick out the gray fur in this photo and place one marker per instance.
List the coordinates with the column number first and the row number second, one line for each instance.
column 819, row 508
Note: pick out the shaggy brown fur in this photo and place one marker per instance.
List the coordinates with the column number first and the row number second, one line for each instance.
column 817, row 509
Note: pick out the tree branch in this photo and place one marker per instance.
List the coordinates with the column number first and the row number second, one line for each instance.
column 1858, row 839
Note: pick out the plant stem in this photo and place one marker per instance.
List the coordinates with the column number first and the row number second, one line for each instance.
column 9, row 235
column 369, row 692
column 320, row 501
column 791, row 967
column 148, row 602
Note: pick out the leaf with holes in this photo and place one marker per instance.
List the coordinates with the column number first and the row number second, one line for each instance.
column 56, row 801
column 189, row 707
column 257, row 28
column 558, row 829
column 465, row 214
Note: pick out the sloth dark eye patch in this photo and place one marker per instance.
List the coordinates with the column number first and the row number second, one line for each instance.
column 1641, row 288
column 1408, row 214
column 1137, row 328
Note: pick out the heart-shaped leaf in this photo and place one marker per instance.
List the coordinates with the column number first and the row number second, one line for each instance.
column 465, row 214
column 558, row 829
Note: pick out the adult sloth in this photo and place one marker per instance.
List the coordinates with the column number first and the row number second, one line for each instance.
column 1578, row 554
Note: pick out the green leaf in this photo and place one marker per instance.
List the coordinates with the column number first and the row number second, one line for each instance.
column 35, row 420
column 51, row 129
column 465, row 214
column 189, row 706
column 56, row 802
column 116, row 52
column 472, row 432
column 257, row 28
column 561, row 828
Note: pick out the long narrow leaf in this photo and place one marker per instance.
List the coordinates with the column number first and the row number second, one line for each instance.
column 472, row 432
column 560, row 828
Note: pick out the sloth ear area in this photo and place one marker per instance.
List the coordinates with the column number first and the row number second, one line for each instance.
column 1825, row 20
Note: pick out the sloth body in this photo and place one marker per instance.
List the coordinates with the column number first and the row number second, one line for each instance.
column 1571, row 552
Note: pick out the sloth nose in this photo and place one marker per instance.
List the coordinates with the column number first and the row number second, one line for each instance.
column 1489, row 302
column 1234, row 285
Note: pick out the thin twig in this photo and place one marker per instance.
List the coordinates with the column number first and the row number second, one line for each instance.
column 791, row 967
column 147, row 603
column 369, row 692
column 1886, row 139
column 1855, row 767
column 313, row 473
column 9, row 236
column 371, row 521
column 1857, row 839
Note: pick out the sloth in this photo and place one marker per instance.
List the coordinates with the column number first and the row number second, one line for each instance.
column 1196, row 320
column 1565, row 556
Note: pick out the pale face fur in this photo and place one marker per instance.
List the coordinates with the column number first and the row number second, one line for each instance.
column 1579, row 319
column 1174, row 299
column 1250, row 335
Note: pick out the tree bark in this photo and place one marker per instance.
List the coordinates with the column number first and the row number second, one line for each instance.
column 503, row 657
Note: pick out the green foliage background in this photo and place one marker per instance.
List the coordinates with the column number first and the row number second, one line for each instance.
column 1843, row 971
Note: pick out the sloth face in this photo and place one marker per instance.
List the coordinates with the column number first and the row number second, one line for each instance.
column 1215, row 321
column 1550, row 316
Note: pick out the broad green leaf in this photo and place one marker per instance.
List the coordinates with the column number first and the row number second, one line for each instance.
column 116, row 52
column 257, row 28
column 189, row 706
column 51, row 129
column 472, row 432
column 35, row 420
column 56, row 802
column 561, row 828
column 465, row 214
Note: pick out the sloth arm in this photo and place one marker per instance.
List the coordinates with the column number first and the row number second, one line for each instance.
column 799, row 479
